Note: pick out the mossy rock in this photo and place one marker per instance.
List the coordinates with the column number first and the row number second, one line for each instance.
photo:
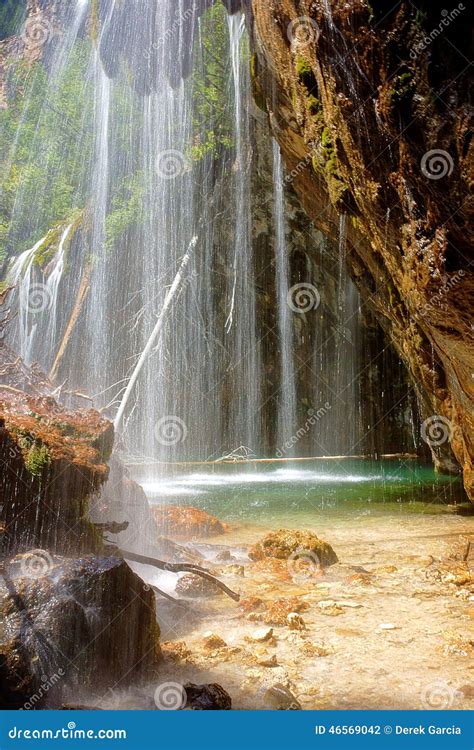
column 284, row 543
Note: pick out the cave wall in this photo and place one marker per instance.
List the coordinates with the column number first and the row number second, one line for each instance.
column 374, row 122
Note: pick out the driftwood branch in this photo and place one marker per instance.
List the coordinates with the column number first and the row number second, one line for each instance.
column 180, row 568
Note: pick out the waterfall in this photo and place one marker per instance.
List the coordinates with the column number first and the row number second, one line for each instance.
column 159, row 148
column 241, row 321
column 287, row 415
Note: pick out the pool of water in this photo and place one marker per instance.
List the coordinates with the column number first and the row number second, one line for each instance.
column 284, row 492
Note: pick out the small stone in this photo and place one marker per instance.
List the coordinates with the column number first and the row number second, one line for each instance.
column 281, row 699
column 387, row 626
column 295, row 621
column 195, row 587
column 211, row 641
column 269, row 661
column 224, row 556
column 262, row 635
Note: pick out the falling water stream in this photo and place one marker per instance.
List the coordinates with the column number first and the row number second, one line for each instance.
column 158, row 153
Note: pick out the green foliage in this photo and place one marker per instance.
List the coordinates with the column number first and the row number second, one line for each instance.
column 45, row 149
column 126, row 209
column 210, row 81
column 37, row 459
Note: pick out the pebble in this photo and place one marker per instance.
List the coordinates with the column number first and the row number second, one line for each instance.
column 295, row 621
column 387, row 626
column 262, row 635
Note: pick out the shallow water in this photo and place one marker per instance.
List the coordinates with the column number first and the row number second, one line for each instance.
column 400, row 635
column 297, row 493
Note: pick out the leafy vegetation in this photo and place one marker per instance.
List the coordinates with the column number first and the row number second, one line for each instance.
column 210, row 81
column 45, row 150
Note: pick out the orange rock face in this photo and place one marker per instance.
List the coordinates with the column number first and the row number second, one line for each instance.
column 188, row 523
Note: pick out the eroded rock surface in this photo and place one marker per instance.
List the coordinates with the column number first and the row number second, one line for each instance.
column 298, row 545
column 375, row 124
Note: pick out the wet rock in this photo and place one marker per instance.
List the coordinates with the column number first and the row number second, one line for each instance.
column 210, row 697
column 280, row 698
column 287, row 543
column 89, row 620
column 195, row 587
column 268, row 661
column 211, row 642
column 175, row 650
column 182, row 522
column 224, row 555
column 278, row 611
column 295, row 621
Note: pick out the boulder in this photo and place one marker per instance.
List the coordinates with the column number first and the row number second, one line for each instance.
column 287, row 543
column 180, row 522
column 195, row 587
column 211, row 697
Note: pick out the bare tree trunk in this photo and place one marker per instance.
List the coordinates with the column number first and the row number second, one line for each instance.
column 174, row 288
column 76, row 311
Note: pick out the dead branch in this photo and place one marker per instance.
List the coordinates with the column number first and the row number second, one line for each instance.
column 180, row 568
column 76, row 311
